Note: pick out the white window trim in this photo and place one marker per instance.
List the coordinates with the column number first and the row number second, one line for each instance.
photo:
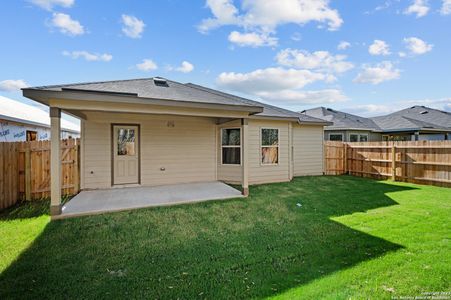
column 231, row 146
column 278, row 147
column 358, row 136
column 338, row 133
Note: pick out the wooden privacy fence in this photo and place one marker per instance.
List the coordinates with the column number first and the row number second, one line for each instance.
column 425, row 162
column 25, row 170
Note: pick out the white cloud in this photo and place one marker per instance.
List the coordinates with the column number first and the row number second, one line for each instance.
column 252, row 39
column 11, row 85
column 49, row 4
column 186, row 67
column 379, row 47
column 418, row 7
column 269, row 79
column 378, row 73
column 133, row 27
column 343, row 45
column 318, row 60
column 304, row 97
column 66, row 24
column 370, row 110
column 446, row 7
column 402, row 54
column 266, row 15
column 88, row 56
column 417, row 46
column 147, row 65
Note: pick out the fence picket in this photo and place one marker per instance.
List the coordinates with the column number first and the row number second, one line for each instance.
column 424, row 162
column 25, row 170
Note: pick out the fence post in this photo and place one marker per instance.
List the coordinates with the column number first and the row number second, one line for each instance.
column 393, row 162
column 27, row 172
column 345, row 158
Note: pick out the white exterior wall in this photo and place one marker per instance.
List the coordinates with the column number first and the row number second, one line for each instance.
column 187, row 151
column 17, row 132
column 308, row 150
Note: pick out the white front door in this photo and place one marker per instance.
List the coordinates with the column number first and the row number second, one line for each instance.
column 125, row 154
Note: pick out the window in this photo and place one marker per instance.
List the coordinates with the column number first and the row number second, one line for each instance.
column 335, row 137
column 270, row 146
column 31, row 135
column 356, row 137
column 126, row 141
column 231, row 146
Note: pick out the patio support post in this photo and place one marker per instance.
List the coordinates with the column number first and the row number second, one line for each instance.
column 245, row 157
column 55, row 161
column 290, row 151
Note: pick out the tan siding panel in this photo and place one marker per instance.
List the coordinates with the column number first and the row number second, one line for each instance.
column 183, row 146
column 308, row 150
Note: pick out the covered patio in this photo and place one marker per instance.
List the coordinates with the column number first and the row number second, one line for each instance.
column 126, row 198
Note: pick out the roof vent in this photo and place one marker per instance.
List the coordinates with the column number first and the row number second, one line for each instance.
column 423, row 112
column 160, row 81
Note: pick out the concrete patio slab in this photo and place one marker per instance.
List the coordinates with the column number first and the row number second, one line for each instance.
column 118, row 199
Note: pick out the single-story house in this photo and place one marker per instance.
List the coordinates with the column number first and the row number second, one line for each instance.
column 154, row 131
column 415, row 123
column 345, row 127
column 20, row 122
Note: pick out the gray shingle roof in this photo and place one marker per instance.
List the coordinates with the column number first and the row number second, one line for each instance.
column 268, row 110
column 415, row 117
column 341, row 120
column 148, row 89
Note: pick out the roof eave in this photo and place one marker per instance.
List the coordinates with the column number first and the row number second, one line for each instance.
column 323, row 123
column 43, row 97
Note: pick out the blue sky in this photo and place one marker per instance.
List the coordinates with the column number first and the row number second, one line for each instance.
column 393, row 54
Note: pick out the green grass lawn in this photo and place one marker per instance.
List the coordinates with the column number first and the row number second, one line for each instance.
column 351, row 238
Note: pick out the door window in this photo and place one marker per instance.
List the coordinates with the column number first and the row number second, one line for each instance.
column 126, row 142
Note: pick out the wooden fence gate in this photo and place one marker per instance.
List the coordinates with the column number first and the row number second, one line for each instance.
column 25, row 170
column 424, row 162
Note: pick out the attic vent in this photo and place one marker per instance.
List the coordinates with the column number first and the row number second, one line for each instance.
column 423, row 112
column 160, row 81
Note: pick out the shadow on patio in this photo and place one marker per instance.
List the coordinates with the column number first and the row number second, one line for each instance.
column 243, row 248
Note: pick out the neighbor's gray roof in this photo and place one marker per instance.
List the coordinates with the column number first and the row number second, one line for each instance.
column 146, row 88
column 415, row 118
column 341, row 120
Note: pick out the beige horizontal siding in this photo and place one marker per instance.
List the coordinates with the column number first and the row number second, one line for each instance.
column 186, row 151
column 307, row 150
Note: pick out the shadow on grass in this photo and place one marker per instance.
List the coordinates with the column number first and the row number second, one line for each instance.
column 257, row 247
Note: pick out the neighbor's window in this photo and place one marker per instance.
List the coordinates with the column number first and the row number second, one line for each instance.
column 335, row 137
column 31, row 135
column 231, row 146
column 270, row 146
column 355, row 137
column 126, row 141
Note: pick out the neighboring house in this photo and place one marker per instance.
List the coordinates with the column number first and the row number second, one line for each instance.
column 346, row 127
column 410, row 124
column 416, row 123
column 155, row 131
column 21, row 122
